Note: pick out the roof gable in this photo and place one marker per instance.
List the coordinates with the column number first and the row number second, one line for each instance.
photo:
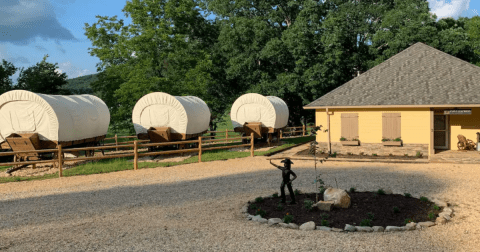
column 419, row 75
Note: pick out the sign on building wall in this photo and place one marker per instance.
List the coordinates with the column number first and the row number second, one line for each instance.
column 458, row 112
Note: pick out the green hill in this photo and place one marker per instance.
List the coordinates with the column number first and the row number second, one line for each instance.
column 81, row 85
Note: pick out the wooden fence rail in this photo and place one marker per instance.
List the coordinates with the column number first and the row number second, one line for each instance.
column 138, row 144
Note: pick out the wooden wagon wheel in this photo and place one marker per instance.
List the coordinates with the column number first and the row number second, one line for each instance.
column 471, row 144
column 460, row 146
column 90, row 153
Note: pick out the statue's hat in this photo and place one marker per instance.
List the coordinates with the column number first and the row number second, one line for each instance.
column 287, row 160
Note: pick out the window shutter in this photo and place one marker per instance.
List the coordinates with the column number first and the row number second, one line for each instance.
column 349, row 125
column 391, row 125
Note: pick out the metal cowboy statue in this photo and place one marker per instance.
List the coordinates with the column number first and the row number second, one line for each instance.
column 286, row 172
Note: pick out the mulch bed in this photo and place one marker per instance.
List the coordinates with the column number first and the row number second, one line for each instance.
column 354, row 156
column 361, row 203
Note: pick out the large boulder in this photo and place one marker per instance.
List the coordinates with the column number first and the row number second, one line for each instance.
column 338, row 196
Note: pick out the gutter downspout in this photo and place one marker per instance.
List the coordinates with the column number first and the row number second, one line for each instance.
column 328, row 131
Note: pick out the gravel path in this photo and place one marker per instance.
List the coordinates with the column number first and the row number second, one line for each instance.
column 196, row 207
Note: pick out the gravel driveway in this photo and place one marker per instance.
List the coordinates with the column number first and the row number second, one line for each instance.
column 196, row 207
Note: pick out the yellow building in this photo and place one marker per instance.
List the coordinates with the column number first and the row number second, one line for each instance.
column 422, row 97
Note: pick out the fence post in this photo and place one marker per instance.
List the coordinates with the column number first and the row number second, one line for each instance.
column 304, row 130
column 251, row 144
column 199, row 149
column 135, row 159
column 60, row 160
column 226, row 135
column 116, row 142
column 281, row 134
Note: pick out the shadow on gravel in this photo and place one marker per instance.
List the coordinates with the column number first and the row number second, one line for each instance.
column 45, row 209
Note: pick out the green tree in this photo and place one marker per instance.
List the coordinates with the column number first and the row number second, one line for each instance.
column 42, row 78
column 166, row 48
column 7, row 69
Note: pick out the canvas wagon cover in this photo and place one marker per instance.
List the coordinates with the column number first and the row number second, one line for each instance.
column 53, row 117
column 271, row 111
column 183, row 114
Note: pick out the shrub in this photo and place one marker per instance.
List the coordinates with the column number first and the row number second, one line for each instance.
column 355, row 139
column 424, row 199
column 374, row 154
column 408, row 195
column 396, row 209
column 366, row 223
column 381, row 191
column 275, row 195
column 408, row 221
column 370, row 215
column 253, row 206
column 324, row 216
column 397, row 139
column 349, row 153
column 322, row 189
column 343, row 139
column 288, row 218
column 333, row 155
column 361, row 153
column 280, row 207
column 324, row 223
column 261, row 212
column 385, row 139
column 308, row 204
column 296, row 192
column 390, row 154
column 436, row 207
column 259, row 199
column 431, row 216
column 419, row 154
column 352, row 189
column 406, row 155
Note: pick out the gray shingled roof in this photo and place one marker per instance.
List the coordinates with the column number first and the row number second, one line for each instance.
column 419, row 75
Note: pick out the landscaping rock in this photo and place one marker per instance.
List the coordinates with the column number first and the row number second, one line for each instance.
column 339, row 196
column 426, row 224
column 440, row 203
column 388, row 191
column 290, row 225
column 448, row 210
column 378, row 229
column 274, row 221
column 350, row 228
column 244, row 209
column 440, row 221
column 446, row 216
column 364, row 229
column 324, row 205
column 259, row 218
column 337, row 230
column 411, row 226
column 250, row 216
column 308, row 226
column 325, row 228
column 393, row 229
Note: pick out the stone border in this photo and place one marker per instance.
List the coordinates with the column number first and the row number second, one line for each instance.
column 444, row 216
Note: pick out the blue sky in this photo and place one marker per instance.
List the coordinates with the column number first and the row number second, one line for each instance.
column 29, row 29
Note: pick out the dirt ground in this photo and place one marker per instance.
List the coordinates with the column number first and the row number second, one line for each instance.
column 196, row 207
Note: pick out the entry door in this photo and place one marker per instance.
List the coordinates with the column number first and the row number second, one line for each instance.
column 440, row 132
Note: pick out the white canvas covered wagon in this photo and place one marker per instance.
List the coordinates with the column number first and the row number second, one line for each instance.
column 32, row 121
column 262, row 115
column 160, row 117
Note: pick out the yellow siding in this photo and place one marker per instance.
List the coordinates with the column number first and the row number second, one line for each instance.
column 467, row 125
column 415, row 124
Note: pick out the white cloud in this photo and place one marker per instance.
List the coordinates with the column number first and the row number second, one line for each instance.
column 452, row 9
column 71, row 70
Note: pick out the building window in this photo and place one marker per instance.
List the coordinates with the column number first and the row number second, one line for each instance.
column 391, row 126
column 350, row 125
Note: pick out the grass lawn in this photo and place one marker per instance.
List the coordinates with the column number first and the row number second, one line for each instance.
column 120, row 164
